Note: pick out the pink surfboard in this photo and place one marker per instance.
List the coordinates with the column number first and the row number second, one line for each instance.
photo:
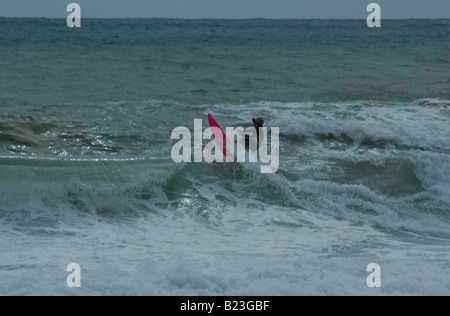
column 217, row 131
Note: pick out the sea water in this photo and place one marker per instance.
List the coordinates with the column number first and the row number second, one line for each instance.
column 86, row 175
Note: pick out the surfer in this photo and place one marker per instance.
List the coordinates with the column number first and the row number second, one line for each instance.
column 257, row 124
column 241, row 140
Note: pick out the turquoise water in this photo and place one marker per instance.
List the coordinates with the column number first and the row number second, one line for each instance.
column 86, row 174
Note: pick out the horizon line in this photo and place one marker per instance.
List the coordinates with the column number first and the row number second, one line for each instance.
column 228, row 19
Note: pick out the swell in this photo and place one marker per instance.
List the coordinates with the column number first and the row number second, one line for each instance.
column 404, row 126
column 383, row 164
column 55, row 187
column 55, row 196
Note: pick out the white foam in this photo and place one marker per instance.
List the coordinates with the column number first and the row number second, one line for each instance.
column 179, row 256
column 433, row 170
column 414, row 124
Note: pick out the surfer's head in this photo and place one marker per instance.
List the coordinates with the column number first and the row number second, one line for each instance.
column 258, row 122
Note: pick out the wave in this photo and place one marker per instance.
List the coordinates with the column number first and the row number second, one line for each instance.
column 408, row 126
column 384, row 165
column 421, row 124
column 433, row 170
column 155, row 227
column 59, row 190
column 402, row 192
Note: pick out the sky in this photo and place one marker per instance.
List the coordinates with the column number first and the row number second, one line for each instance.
column 235, row 9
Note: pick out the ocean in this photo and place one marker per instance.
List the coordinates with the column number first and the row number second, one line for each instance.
column 86, row 174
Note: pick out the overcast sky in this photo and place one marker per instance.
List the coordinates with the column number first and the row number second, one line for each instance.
column 337, row 9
